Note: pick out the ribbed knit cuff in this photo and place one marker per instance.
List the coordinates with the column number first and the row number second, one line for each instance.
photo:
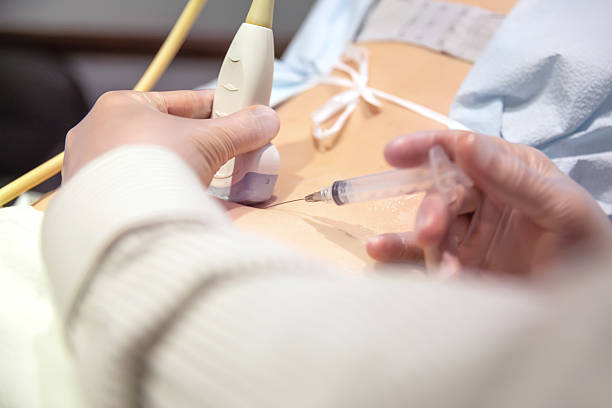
column 127, row 188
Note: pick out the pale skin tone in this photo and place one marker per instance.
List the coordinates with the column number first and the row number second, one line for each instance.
column 179, row 121
column 338, row 234
column 522, row 214
column 520, row 217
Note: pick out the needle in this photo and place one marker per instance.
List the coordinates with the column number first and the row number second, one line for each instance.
column 285, row 202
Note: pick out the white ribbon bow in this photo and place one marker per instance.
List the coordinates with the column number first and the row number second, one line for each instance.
column 358, row 89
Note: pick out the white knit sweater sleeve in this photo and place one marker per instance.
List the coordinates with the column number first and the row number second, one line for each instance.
column 166, row 305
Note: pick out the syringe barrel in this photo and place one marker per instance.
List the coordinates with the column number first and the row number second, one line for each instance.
column 381, row 185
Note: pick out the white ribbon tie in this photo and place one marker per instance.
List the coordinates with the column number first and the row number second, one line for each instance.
column 346, row 102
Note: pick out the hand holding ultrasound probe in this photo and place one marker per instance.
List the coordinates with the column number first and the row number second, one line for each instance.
column 521, row 213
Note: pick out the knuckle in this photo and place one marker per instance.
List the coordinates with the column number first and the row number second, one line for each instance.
column 69, row 140
column 108, row 96
column 513, row 170
column 189, row 108
column 111, row 98
column 520, row 177
column 217, row 147
column 70, row 135
column 534, row 158
column 570, row 206
column 157, row 100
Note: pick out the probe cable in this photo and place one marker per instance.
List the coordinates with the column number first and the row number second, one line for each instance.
column 156, row 69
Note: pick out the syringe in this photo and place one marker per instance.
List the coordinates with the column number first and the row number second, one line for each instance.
column 440, row 174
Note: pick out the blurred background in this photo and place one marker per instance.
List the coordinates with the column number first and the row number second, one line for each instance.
column 58, row 56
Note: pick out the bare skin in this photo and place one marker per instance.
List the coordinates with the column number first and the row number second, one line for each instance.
column 179, row 121
column 522, row 215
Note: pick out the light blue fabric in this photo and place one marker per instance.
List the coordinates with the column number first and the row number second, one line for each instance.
column 545, row 80
column 318, row 45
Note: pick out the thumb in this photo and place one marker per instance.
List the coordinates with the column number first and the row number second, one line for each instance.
column 239, row 133
column 503, row 176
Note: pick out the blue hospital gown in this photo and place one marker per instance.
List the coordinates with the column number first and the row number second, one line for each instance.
column 545, row 80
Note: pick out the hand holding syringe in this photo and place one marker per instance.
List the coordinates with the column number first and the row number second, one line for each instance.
column 439, row 174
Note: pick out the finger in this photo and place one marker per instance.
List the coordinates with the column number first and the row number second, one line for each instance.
column 475, row 235
column 394, row 247
column 450, row 267
column 433, row 220
column 187, row 104
column 413, row 149
column 507, row 179
column 240, row 133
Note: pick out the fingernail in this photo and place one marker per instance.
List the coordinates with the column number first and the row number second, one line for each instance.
column 449, row 267
column 376, row 250
column 268, row 120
